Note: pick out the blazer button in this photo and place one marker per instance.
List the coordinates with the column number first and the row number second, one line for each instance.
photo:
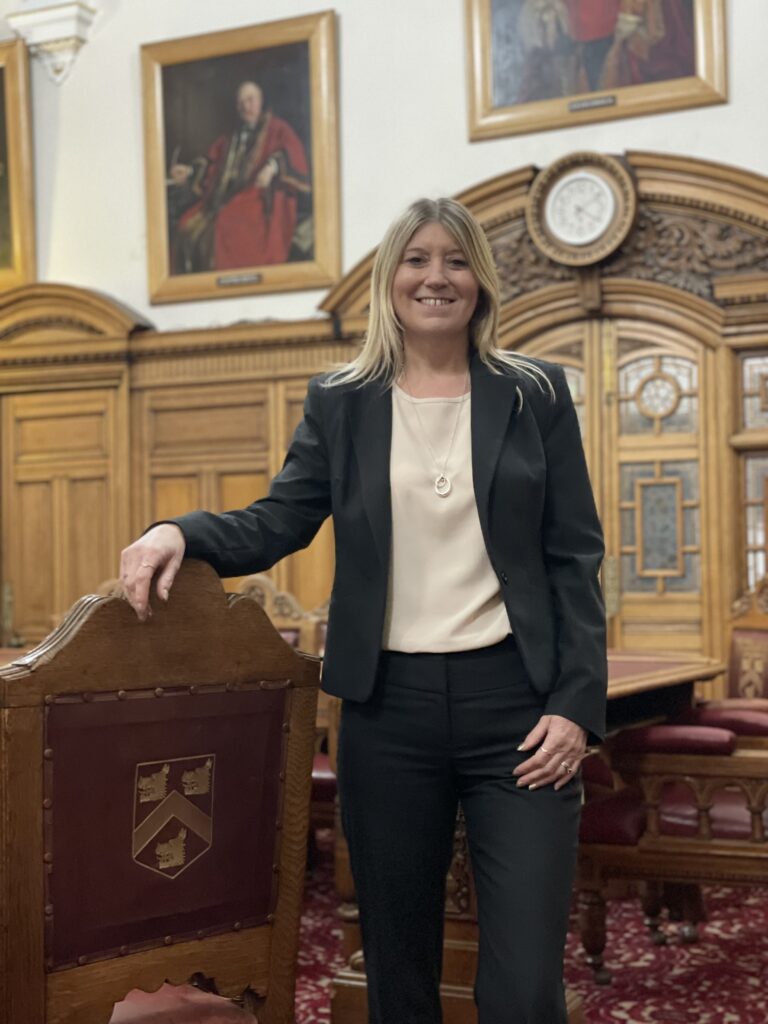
column 504, row 578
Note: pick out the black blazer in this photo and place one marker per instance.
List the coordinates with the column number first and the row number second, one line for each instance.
column 536, row 511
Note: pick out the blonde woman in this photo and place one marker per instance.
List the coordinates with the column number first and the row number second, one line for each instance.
column 466, row 629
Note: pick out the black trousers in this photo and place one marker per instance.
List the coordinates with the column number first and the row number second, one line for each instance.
column 443, row 728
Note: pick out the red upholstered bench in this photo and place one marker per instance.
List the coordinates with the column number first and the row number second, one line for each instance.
column 693, row 810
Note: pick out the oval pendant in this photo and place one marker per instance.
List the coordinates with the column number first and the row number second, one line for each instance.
column 443, row 485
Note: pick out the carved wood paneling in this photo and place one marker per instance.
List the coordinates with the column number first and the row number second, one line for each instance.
column 61, row 514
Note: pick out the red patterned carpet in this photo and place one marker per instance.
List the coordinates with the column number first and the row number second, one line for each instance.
column 723, row 979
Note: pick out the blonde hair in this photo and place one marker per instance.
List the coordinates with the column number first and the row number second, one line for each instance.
column 382, row 356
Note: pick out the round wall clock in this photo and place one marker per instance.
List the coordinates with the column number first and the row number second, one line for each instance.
column 581, row 208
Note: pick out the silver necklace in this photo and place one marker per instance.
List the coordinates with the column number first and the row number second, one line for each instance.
column 443, row 485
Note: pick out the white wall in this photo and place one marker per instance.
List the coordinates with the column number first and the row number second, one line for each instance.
column 403, row 117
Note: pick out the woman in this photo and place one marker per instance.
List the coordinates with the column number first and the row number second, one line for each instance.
column 466, row 630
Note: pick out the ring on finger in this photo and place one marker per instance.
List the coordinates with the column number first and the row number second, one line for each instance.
column 146, row 565
column 564, row 764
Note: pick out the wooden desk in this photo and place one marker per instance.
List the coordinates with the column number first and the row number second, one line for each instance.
column 645, row 688
column 642, row 688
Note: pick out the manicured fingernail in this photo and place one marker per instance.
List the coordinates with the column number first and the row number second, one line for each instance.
column 532, row 786
column 164, row 594
column 520, row 747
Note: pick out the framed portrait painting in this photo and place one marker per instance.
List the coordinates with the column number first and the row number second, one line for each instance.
column 17, row 211
column 540, row 64
column 241, row 152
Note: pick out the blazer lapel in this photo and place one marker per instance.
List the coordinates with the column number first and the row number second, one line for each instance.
column 370, row 413
column 494, row 399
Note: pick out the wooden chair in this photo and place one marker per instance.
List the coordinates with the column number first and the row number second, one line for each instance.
column 745, row 706
column 304, row 631
column 694, row 810
column 154, row 784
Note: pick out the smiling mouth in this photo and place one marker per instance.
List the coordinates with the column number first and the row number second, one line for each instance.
column 435, row 302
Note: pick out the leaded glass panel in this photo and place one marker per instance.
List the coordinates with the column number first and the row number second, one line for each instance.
column 630, row 579
column 685, row 371
column 754, row 374
column 757, row 470
column 753, row 368
column 691, row 531
column 755, row 567
column 683, row 420
column 631, row 471
column 688, row 473
column 575, row 380
column 755, row 526
column 632, row 374
column 660, row 543
column 631, row 420
column 691, row 578
column 628, row 536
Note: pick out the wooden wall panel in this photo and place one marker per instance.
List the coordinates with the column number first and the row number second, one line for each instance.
column 87, row 552
column 172, row 496
column 28, row 546
column 63, row 499
column 309, row 573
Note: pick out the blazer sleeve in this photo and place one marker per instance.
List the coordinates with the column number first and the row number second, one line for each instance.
column 573, row 550
column 254, row 538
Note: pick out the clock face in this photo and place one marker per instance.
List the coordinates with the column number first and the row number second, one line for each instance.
column 580, row 208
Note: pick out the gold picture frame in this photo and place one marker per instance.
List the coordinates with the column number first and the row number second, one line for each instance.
column 534, row 65
column 17, row 202
column 241, row 160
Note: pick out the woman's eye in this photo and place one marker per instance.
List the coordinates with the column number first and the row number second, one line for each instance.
column 414, row 261
column 458, row 262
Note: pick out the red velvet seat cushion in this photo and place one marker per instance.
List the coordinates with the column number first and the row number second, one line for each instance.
column 742, row 721
column 618, row 819
column 323, row 779
column 596, row 771
column 177, row 1005
column 675, row 739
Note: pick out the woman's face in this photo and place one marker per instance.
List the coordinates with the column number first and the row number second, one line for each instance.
column 434, row 291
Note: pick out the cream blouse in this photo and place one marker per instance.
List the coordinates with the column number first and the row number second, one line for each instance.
column 443, row 593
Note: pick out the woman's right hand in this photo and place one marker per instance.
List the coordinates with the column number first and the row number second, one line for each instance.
column 159, row 550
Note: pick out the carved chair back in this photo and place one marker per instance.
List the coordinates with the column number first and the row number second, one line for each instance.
column 157, row 779
column 748, row 650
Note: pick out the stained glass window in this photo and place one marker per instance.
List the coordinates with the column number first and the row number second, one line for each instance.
column 658, row 394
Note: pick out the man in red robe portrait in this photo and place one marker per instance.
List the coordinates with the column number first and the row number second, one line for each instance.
column 245, row 193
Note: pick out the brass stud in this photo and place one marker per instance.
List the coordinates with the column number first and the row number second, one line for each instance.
column 82, row 960
column 47, row 803
column 286, row 726
column 49, row 698
column 237, row 926
column 49, row 910
column 121, row 694
column 159, row 691
column 48, row 753
column 48, row 858
column 276, row 868
column 201, row 934
column 270, row 918
column 193, row 690
column 87, row 696
column 168, row 940
column 123, row 951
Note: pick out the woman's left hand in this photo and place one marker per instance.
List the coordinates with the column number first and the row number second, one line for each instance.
column 561, row 746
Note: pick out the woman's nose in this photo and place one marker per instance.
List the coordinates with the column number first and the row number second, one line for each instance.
column 436, row 276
